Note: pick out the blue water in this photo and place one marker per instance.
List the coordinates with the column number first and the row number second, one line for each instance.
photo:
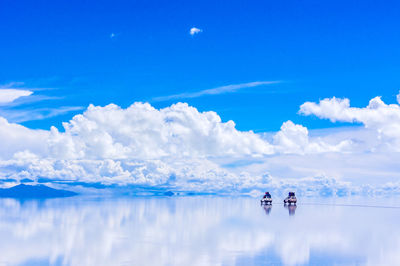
column 199, row 230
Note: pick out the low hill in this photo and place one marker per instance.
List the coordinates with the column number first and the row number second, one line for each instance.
column 39, row 191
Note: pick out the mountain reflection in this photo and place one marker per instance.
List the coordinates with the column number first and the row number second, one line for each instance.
column 192, row 231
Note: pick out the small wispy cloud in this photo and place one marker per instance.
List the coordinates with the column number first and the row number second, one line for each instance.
column 194, row 31
column 15, row 93
column 215, row 91
column 12, row 91
column 114, row 35
column 24, row 115
column 14, row 98
column 10, row 95
column 33, row 98
column 21, row 86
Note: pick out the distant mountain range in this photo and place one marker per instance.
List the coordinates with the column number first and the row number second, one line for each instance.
column 39, row 191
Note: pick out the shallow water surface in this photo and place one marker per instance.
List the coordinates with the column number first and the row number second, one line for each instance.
column 200, row 230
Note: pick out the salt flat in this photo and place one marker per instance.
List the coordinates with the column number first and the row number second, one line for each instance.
column 199, row 230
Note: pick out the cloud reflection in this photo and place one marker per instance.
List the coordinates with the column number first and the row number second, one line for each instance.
column 192, row 231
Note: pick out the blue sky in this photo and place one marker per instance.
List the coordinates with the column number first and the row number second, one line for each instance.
column 316, row 49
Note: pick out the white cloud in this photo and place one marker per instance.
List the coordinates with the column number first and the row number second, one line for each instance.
column 294, row 138
column 215, row 91
column 10, row 95
column 378, row 116
column 194, row 31
column 148, row 146
column 15, row 138
column 181, row 148
column 141, row 131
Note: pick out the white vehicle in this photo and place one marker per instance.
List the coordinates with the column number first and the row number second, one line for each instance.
column 267, row 199
column 290, row 199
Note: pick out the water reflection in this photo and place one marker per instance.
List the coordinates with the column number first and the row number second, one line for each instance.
column 193, row 231
column 291, row 208
column 267, row 209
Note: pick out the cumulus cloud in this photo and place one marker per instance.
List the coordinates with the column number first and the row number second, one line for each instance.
column 15, row 138
column 193, row 31
column 173, row 146
column 378, row 116
column 144, row 132
column 180, row 148
column 294, row 138
column 141, row 131
column 137, row 145
column 215, row 91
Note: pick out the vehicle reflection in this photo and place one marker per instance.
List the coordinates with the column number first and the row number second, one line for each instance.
column 267, row 209
column 291, row 208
